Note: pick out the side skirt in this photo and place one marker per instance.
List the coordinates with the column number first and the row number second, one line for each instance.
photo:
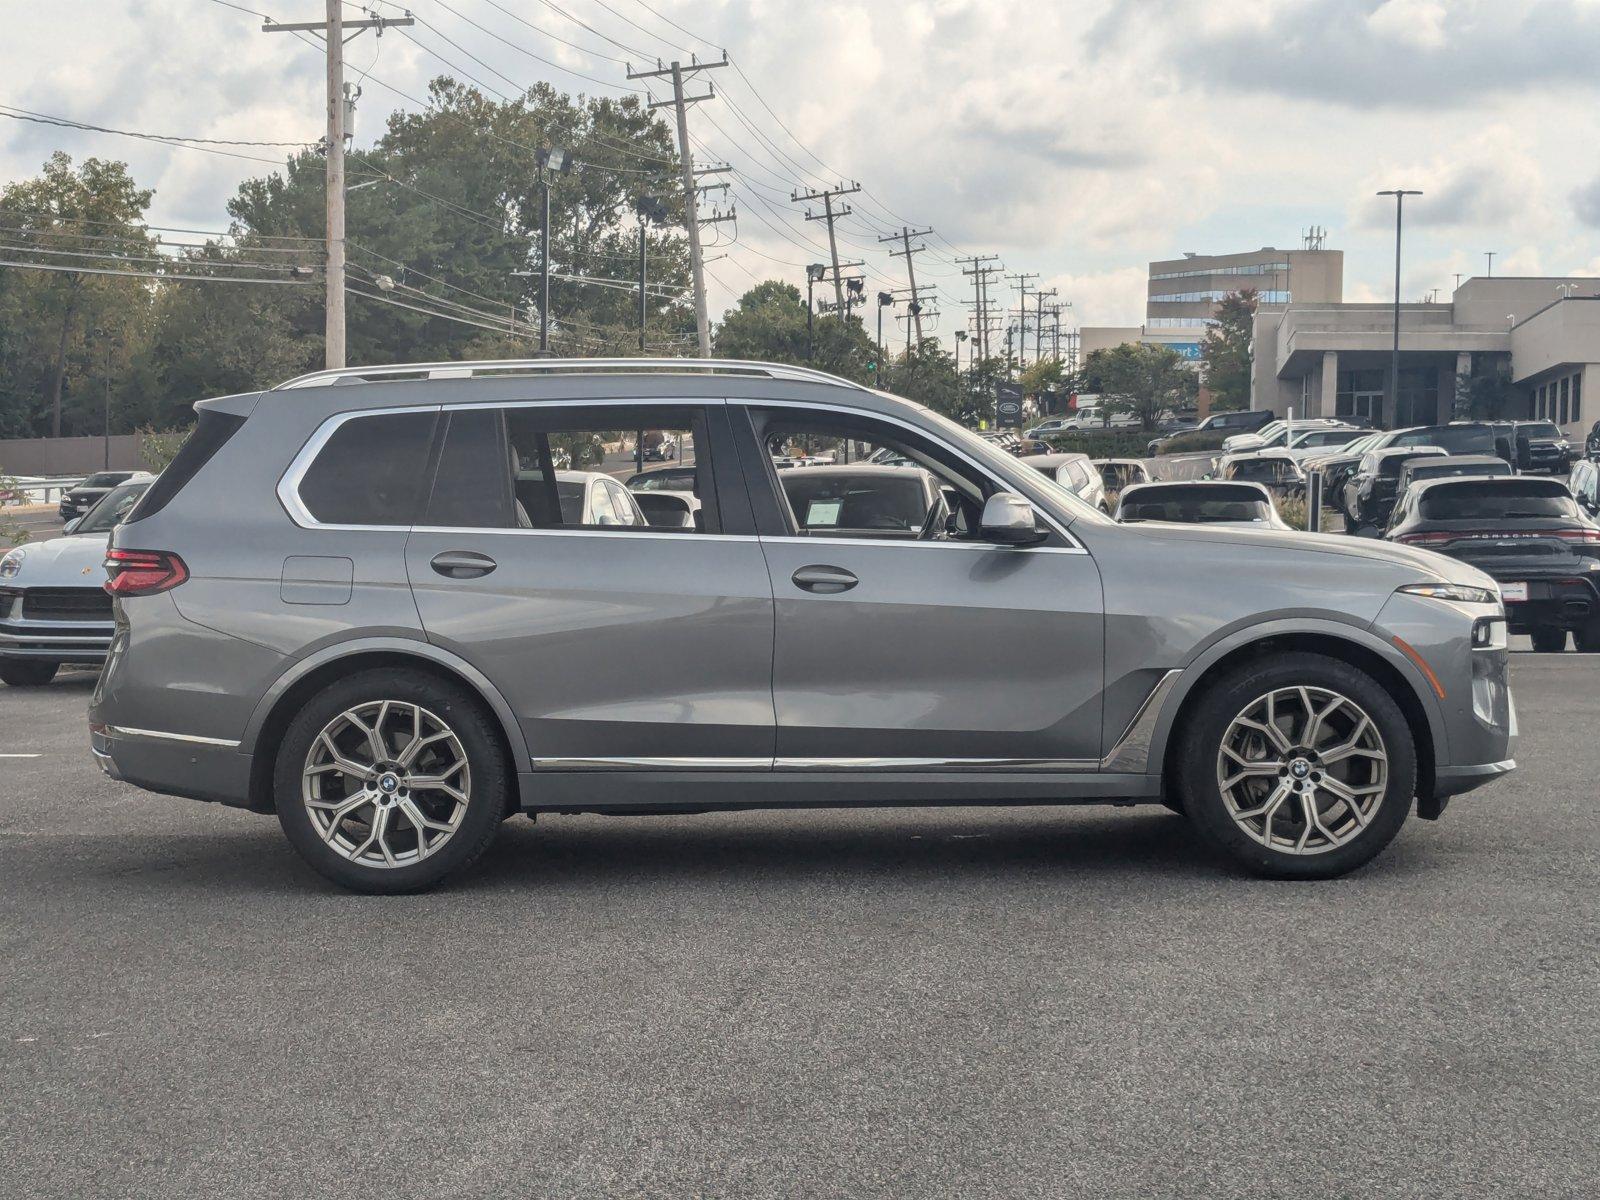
column 624, row 791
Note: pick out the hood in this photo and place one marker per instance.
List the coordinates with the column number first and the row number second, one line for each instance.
column 61, row 562
column 1427, row 565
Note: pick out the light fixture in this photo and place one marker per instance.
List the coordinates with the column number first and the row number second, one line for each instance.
column 816, row 271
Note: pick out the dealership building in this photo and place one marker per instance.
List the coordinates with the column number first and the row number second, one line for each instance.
column 1182, row 294
column 1330, row 359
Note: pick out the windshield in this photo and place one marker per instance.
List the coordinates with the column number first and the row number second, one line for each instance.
column 1456, row 439
column 104, row 479
column 681, row 480
column 1261, row 470
column 1540, row 429
column 110, row 509
column 1489, row 502
column 1196, row 505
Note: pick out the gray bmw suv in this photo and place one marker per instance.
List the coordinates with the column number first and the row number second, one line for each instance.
column 363, row 601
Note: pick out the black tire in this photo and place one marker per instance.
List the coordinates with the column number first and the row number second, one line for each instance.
column 1587, row 639
column 1232, row 695
column 1548, row 639
column 27, row 672
column 488, row 796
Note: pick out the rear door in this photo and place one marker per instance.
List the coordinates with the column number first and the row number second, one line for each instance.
column 619, row 646
column 900, row 647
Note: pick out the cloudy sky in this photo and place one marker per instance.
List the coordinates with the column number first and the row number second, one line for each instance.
column 1075, row 138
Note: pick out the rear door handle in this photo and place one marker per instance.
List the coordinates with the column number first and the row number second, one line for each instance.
column 462, row 564
column 825, row 581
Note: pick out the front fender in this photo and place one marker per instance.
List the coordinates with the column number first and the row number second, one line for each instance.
column 1209, row 654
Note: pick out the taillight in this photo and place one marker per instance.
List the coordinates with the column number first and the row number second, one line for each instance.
column 1589, row 537
column 1425, row 539
column 143, row 572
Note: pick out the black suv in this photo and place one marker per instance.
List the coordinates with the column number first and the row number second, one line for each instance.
column 1529, row 534
column 1541, row 446
column 1247, row 421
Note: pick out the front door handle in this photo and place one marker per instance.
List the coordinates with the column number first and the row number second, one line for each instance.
column 462, row 564
column 825, row 581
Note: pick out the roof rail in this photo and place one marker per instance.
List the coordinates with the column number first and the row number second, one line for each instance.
column 560, row 366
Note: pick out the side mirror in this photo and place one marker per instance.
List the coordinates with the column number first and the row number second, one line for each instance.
column 71, row 525
column 1009, row 520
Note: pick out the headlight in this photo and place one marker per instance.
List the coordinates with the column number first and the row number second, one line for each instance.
column 1459, row 593
column 11, row 563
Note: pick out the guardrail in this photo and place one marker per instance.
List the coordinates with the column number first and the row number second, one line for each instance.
column 39, row 489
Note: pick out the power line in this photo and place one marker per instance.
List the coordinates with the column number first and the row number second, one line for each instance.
column 166, row 277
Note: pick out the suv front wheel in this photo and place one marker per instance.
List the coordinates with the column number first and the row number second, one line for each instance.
column 1298, row 767
column 390, row 780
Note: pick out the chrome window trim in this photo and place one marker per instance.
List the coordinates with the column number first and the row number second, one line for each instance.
column 124, row 731
column 1049, row 518
column 289, row 483
column 288, row 489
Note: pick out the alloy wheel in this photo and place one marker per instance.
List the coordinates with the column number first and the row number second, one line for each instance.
column 1302, row 770
column 386, row 783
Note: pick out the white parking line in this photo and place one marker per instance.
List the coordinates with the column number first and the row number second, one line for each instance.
column 21, row 756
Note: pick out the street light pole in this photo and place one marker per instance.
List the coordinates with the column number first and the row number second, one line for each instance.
column 1392, row 401
column 814, row 272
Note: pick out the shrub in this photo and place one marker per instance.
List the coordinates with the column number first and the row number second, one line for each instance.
column 11, row 534
column 1293, row 510
column 1102, row 443
column 158, row 447
column 1192, row 443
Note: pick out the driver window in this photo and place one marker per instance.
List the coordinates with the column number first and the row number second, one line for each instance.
column 852, row 477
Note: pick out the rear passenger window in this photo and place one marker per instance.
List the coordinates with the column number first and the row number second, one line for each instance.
column 574, row 467
column 371, row 471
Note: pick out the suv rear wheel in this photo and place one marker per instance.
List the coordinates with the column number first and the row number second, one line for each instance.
column 1298, row 767
column 27, row 672
column 390, row 780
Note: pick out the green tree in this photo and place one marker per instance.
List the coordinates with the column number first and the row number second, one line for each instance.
column 1043, row 375
column 769, row 324
column 928, row 375
column 1486, row 393
column 63, row 331
column 1226, row 351
column 1142, row 378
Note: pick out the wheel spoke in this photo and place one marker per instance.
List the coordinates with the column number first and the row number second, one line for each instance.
column 374, row 741
column 1269, row 805
column 1254, row 770
column 1269, row 731
column 338, row 762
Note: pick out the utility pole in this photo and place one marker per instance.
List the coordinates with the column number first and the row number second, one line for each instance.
column 979, row 267
column 907, row 252
column 1038, row 323
column 1020, row 282
column 333, row 33
column 1488, row 254
column 830, row 215
column 691, row 212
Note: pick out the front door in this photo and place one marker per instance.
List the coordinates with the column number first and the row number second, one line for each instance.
column 618, row 645
column 902, row 640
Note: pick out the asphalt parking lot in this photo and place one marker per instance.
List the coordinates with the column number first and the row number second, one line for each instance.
column 965, row 1002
